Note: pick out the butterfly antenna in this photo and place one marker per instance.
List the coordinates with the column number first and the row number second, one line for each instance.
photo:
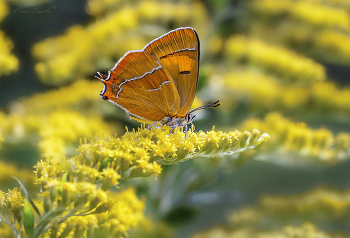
column 210, row 105
column 101, row 76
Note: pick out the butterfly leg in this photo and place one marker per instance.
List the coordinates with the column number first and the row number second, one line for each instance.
column 149, row 128
column 172, row 129
column 186, row 129
column 194, row 128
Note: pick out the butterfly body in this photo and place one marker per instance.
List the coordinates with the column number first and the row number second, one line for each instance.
column 176, row 121
column 157, row 83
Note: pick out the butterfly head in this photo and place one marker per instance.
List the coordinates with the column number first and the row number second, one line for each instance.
column 189, row 118
column 103, row 78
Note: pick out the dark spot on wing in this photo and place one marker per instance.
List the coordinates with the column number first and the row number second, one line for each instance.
column 185, row 72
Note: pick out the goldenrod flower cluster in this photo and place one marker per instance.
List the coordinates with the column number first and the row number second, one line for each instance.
column 305, row 230
column 316, row 28
column 328, row 45
column 334, row 44
column 326, row 96
column 75, row 192
column 14, row 127
column 8, row 62
column 95, row 7
column 54, row 119
column 319, row 205
column 3, row 9
column 285, row 64
column 147, row 10
column 335, row 3
column 63, row 128
column 68, row 57
column 141, row 152
column 307, row 12
column 253, row 86
column 152, row 228
column 111, row 214
column 82, row 96
column 311, row 144
column 11, row 210
column 59, row 132
column 72, row 208
column 1, row 139
column 77, row 200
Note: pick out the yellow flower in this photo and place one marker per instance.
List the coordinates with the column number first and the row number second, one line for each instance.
column 215, row 44
column 140, row 150
column 335, row 44
column 344, row 4
column 262, row 91
column 288, row 136
column 99, row 7
column 78, row 96
column 316, row 28
column 327, row 96
column 8, row 62
column 63, row 128
column 3, row 9
column 14, row 202
column 308, row 12
column 318, row 201
column 67, row 57
column 110, row 178
column 2, row 200
column 127, row 212
column 342, row 145
column 305, row 230
column 319, row 15
column 288, row 65
column 271, row 7
column 1, row 138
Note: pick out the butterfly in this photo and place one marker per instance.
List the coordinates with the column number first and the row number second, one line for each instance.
column 158, row 83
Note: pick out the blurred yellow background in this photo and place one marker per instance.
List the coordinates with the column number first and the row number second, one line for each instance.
column 279, row 66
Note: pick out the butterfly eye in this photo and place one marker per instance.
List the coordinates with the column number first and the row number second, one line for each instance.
column 189, row 118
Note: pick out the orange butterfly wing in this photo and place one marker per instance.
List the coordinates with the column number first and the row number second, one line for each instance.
column 141, row 86
column 178, row 52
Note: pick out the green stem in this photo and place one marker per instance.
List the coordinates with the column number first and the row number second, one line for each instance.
column 13, row 228
column 45, row 220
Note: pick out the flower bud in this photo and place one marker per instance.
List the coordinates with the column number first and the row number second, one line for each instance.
column 254, row 137
column 244, row 139
column 262, row 140
column 69, row 227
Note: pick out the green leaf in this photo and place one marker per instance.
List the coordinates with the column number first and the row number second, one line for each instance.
column 26, row 194
column 28, row 219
